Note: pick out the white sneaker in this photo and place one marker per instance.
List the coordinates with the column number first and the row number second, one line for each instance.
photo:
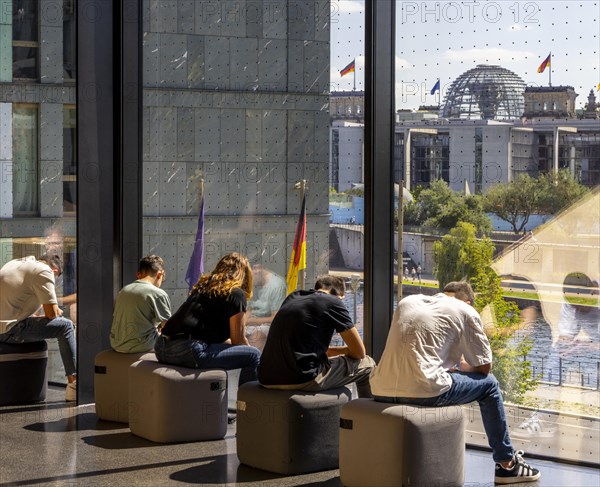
column 71, row 392
column 534, row 427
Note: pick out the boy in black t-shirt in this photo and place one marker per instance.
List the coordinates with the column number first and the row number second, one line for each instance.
column 297, row 354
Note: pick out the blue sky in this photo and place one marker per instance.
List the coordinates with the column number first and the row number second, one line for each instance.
column 444, row 39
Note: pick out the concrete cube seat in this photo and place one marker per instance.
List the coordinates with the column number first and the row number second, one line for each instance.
column 286, row 431
column 172, row 404
column 391, row 445
column 23, row 372
column 111, row 383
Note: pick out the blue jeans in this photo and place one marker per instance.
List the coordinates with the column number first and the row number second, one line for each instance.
column 197, row 354
column 37, row 329
column 466, row 388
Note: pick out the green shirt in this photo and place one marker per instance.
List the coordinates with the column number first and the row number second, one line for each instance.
column 139, row 309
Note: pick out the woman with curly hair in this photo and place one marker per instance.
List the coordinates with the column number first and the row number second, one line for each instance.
column 208, row 331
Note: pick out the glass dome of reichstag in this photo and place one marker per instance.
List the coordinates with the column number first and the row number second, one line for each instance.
column 485, row 92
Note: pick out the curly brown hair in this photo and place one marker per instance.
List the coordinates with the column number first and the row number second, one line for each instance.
column 233, row 270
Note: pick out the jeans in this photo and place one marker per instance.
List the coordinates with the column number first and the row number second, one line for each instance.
column 196, row 354
column 36, row 329
column 468, row 387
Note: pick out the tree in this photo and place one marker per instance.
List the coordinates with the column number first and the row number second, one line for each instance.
column 559, row 191
column 516, row 201
column 460, row 255
column 440, row 207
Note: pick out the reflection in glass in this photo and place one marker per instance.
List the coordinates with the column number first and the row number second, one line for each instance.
column 25, row 159
column 473, row 78
column 69, row 40
column 25, row 62
column 69, row 160
column 25, row 39
column 39, row 215
column 25, row 15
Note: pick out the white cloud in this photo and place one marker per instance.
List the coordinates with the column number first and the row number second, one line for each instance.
column 488, row 55
column 516, row 27
column 402, row 63
column 347, row 6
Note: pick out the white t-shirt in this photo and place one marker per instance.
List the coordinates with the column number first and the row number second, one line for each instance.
column 428, row 336
column 25, row 284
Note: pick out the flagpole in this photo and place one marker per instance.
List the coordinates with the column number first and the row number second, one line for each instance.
column 200, row 193
column 302, row 187
column 354, row 72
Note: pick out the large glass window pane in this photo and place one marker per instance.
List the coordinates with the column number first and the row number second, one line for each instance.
column 25, row 20
column 497, row 128
column 69, row 39
column 25, row 30
column 346, row 172
column 236, row 102
column 69, row 160
column 38, row 152
column 25, row 159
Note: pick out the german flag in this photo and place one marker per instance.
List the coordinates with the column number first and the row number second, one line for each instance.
column 298, row 257
column 545, row 64
column 348, row 69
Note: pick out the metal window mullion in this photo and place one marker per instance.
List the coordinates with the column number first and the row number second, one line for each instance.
column 379, row 164
column 97, row 284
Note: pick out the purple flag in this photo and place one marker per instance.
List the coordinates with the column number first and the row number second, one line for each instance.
column 196, row 265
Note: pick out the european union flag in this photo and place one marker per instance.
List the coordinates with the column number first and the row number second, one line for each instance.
column 436, row 87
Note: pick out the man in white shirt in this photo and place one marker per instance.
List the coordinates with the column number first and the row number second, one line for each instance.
column 26, row 285
column 437, row 354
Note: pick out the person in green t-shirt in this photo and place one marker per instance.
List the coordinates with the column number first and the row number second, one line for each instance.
column 141, row 309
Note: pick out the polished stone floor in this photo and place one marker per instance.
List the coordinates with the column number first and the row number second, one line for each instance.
column 56, row 444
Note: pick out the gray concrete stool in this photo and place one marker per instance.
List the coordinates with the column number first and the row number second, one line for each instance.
column 176, row 404
column 289, row 432
column 111, row 383
column 23, row 372
column 391, row 445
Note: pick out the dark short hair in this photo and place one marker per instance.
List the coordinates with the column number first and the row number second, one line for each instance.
column 333, row 284
column 462, row 290
column 151, row 265
column 53, row 260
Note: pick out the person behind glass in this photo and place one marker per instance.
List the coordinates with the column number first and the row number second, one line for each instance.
column 437, row 354
column 141, row 308
column 270, row 290
column 298, row 355
column 25, row 285
column 208, row 331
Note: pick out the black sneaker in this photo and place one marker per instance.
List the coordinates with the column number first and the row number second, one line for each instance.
column 520, row 471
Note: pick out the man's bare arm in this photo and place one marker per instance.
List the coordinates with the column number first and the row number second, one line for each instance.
column 260, row 320
column 355, row 348
column 480, row 369
column 52, row 311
